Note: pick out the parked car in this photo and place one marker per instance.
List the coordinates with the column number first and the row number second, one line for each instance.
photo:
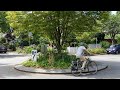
column 113, row 49
column 3, row 49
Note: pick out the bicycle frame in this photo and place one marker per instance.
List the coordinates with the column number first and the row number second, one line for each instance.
column 78, row 66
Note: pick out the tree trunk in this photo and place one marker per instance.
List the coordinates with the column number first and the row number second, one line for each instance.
column 58, row 41
column 58, row 35
column 112, row 41
column 59, row 48
column 113, row 37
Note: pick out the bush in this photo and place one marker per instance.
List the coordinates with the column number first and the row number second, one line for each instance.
column 83, row 44
column 38, row 48
column 97, row 51
column 118, row 39
column 12, row 47
column 24, row 43
column 26, row 49
column 2, row 40
column 93, row 41
column 29, row 63
column 105, row 44
column 52, row 61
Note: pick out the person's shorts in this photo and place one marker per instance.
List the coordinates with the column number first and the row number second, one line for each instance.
column 79, row 56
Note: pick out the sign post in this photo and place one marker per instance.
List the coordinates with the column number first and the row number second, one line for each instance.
column 34, row 55
column 96, row 42
column 30, row 35
column 11, row 30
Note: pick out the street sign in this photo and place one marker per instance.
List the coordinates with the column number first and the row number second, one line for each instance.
column 11, row 29
column 30, row 34
column 34, row 55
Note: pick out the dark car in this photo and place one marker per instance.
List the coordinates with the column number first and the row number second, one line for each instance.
column 3, row 49
column 113, row 49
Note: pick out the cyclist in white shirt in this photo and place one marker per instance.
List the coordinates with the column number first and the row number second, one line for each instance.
column 80, row 54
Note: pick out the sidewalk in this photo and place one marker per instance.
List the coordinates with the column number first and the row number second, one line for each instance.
column 19, row 67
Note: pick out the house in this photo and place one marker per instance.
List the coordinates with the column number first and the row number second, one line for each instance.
column 110, row 40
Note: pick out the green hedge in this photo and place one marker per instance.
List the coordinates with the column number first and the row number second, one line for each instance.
column 26, row 49
column 97, row 51
column 105, row 44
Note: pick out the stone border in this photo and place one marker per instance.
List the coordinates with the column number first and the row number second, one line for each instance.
column 51, row 71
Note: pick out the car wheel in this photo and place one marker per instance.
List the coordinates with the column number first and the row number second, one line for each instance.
column 117, row 52
column 5, row 52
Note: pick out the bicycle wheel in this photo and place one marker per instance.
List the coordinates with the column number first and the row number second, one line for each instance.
column 93, row 68
column 85, row 71
column 75, row 69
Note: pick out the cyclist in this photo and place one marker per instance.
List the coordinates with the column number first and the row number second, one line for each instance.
column 82, row 49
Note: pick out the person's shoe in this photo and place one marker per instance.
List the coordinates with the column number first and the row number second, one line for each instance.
column 82, row 69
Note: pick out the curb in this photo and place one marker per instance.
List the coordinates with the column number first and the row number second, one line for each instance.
column 48, row 71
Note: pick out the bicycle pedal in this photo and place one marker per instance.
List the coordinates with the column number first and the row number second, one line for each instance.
column 74, row 68
column 82, row 69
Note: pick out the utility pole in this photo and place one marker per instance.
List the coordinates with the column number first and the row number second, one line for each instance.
column 96, row 42
column 30, row 35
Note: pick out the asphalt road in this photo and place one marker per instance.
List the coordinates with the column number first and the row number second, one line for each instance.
column 7, row 71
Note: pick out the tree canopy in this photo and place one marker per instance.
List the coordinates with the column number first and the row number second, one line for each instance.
column 4, row 26
column 58, row 26
column 112, row 26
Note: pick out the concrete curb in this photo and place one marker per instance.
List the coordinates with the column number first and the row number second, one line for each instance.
column 50, row 71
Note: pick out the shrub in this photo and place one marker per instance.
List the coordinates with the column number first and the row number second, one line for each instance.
column 93, row 41
column 58, row 61
column 12, row 47
column 118, row 39
column 105, row 44
column 26, row 49
column 19, row 50
column 82, row 43
column 29, row 63
column 38, row 48
column 97, row 51
column 2, row 40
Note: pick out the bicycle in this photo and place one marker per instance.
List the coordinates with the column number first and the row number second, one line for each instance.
column 90, row 67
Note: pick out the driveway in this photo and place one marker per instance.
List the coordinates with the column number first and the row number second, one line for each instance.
column 7, row 71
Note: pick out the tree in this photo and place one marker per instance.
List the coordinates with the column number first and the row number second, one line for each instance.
column 100, row 37
column 15, row 20
column 90, row 21
column 59, row 25
column 63, row 23
column 112, row 26
column 4, row 26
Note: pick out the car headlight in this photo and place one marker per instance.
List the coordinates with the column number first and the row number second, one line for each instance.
column 113, row 49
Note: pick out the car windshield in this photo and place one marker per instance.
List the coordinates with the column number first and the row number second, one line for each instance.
column 1, row 46
column 112, row 46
